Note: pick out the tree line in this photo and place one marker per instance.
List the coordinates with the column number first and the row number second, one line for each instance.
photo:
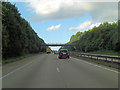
column 104, row 37
column 18, row 37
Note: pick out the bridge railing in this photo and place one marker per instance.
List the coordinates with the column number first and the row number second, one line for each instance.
column 57, row 45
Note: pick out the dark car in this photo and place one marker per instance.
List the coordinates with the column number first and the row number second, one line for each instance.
column 63, row 53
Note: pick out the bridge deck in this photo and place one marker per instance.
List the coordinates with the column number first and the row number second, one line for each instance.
column 57, row 44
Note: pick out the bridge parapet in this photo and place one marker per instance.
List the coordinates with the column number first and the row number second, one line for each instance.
column 57, row 44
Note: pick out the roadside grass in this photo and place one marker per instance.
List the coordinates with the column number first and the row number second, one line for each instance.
column 102, row 52
column 10, row 60
column 113, row 53
column 0, row 62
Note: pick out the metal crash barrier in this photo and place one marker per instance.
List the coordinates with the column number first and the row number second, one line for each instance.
column 108, row 58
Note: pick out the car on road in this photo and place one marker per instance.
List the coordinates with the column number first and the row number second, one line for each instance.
column 48, row 50
column 63, row 53
column 56, row 52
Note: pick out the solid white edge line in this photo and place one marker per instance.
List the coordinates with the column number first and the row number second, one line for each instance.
column 58, row 69
column 15, row 70
column 96, row 65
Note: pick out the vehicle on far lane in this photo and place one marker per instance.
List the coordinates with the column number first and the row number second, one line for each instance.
column 56, row 52
column 48, row 50
column 63, row 53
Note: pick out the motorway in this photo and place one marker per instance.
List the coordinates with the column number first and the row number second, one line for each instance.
column 47, row 71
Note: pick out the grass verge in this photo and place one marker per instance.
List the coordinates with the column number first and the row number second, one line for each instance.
column 10, row 60
column 113, row 53
column 102, row 52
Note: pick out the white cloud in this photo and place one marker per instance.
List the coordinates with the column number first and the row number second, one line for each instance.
column 54, row 27
column 84, row 25
column 60, row 9
column 112, row 22
column 76, row 0
column 93, row 25
column 87, row 26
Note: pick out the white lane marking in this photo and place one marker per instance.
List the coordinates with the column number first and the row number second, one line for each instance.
column 97, row 65
column 58, row 69
column 15, row 70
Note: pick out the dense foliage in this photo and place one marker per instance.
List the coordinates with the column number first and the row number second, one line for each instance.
column 103, row 37
column 18, row 37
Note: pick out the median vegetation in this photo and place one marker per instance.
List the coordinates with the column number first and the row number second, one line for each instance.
column 18, row 37
column 105, row 37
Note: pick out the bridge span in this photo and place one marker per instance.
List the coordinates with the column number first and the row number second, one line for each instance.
column 57, row 44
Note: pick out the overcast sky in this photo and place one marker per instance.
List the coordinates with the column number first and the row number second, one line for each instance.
column 56, row 21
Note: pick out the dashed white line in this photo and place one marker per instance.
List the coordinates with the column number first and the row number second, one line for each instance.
column 58, row 69
column 15, row 70
column 96, row 65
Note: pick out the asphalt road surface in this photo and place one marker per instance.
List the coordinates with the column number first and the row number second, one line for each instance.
column 47, row 71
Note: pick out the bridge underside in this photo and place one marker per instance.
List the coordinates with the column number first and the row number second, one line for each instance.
column 57, row 45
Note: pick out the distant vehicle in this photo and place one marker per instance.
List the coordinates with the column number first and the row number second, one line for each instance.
column 48, row 50
column 55, row 52
column 63, row 53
